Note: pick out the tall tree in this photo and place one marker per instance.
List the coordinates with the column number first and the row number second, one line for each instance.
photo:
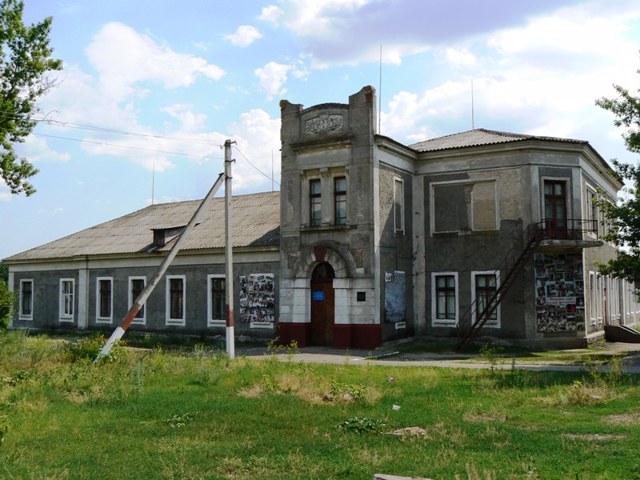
column 25, row 60
column 624, row 217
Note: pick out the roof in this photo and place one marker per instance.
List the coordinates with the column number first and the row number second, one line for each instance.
column 481, row 136
column 256, row 223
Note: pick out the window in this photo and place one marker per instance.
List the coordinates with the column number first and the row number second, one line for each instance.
column 315, row 203
column 340, row 200
column 104, row 300
column 555, row 203
column 592, row 210
column 136, row 286
column 444, row 299
column 464, row 207
column 176, row 300
column 398, row 205
column 217, row 301
column 485, row 286
column 26, row 300
column 66, row 302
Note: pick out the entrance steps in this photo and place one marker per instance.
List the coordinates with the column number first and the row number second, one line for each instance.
column 621, row 333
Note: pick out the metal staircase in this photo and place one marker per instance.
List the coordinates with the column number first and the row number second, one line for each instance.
column 472, row 320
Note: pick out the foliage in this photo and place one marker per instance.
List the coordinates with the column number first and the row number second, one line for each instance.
column 623, row 218
column 7, row 302
column 361, row 425
column 64, row 416
column 4, row 272
column 25, row 60
column 179, row 420
column 87, row 348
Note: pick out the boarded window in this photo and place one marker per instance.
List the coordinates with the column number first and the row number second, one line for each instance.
column 464, row 206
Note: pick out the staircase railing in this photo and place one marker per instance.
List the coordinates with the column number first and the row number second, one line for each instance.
column 472, row 320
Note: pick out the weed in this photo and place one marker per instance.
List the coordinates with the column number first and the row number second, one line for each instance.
column 346, row 392
column 517, row 378
column 179, row 420
column 489, row 354
column 88, row 348
column 361, row 425
column 274, row 348
column 137, row 376
column 580, row 393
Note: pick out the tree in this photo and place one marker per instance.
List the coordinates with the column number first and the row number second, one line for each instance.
column 25, row 60
column 624, row 217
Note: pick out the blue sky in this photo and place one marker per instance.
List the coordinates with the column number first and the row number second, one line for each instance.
column 157, row 86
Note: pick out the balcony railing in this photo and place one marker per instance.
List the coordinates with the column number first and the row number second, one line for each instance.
column 568, row 229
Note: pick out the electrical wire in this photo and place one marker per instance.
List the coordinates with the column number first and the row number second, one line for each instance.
column 95, row 142
column 256, row 168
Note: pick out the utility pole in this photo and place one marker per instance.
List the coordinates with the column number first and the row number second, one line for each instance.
column 231, row 346
column 142, row 298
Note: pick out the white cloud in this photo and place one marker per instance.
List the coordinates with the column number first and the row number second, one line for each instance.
column 271, row 14
column 258, row 138
column 5, row 192
column 124, row 58
column 244, row 36
column 37, row 150
column 272, row 78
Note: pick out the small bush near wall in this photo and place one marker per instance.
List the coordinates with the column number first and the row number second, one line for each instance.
column 6, row 304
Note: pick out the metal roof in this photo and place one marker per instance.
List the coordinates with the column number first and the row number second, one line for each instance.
column 256, row 222
column 478, row 137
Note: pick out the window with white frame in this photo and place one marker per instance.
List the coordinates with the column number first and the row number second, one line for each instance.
column 216, row 301
column 104, row 300
column 484, row 287
column 66, row 299
column 398, row 205
column 26, row 300
column 444, row 295
column 136, row 286
column 175, row 301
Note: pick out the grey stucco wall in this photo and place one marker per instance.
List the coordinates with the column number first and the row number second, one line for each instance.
column 47, row 285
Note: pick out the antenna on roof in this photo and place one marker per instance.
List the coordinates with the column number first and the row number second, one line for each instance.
column 153, row 182
column 380, row 93
column 473, row 121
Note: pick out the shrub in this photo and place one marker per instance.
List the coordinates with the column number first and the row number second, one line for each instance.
column 88, row 348
column 7, row 300
column 361, row 425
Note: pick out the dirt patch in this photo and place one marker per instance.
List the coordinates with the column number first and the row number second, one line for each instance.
column 594, row 437
column 624, row 419
column 410, row 432
column 485, row 418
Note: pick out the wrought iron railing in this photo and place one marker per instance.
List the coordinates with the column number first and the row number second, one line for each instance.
column 473, row 319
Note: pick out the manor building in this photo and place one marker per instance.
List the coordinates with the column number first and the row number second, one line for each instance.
column 476, row 233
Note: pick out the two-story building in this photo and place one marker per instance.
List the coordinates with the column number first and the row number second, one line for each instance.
column 476, row 233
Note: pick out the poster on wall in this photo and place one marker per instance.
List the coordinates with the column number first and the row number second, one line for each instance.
column 394, row 297
column 559, row 293
column 257, row 300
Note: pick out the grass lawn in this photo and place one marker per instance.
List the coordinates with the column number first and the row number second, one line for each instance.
column 196, row 414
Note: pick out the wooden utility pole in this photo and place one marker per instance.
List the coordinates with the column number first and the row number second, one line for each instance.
column 230, row 337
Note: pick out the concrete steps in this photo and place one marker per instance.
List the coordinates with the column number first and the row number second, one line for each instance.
column 621, row 333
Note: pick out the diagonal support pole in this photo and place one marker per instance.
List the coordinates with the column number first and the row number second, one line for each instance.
column 142, row 298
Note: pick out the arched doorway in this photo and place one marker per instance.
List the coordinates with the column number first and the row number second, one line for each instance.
column 322, row 304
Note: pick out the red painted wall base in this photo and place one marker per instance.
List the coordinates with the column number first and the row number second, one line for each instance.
column 364, row 337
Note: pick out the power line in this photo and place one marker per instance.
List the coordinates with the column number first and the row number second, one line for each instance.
column 95, row 142
column 256, row 168
column 98, row 128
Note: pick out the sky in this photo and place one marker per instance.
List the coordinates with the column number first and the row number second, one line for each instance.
column 151, row 89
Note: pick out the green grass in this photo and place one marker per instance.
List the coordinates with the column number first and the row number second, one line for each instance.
column 167, row 415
